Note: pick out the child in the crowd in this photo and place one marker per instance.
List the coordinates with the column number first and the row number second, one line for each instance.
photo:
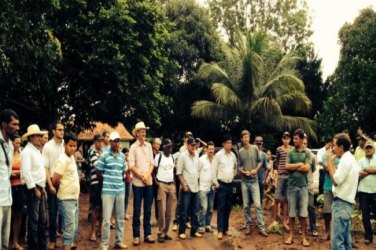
column 67, row 181
column 270, row 182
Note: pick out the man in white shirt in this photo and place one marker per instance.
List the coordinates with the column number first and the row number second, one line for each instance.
column 9, row 125
column 51, row 152
column 208, row 162
column 34, row 175
column 164, row 180
column 224, row 175
column 345, row 181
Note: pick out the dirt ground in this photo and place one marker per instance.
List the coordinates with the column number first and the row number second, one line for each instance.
column 209, row 241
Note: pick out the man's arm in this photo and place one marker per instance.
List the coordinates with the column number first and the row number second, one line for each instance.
column 331, row 169
column 179, row 173
column 132, row 163
column 370, row 170
column 56, row 180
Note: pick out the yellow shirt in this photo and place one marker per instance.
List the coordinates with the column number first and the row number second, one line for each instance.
column 359, row 153
column 69, row 188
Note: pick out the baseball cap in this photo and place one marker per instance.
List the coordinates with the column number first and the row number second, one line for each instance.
column 369, row 144
column 114, row 136
column 166, row 142
column 192, row 141
column 97, row 137
column 188, row 134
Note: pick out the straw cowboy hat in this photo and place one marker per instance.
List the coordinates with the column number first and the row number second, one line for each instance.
column 33, row 129
column 139, row 125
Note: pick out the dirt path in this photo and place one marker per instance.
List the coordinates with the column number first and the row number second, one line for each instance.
column 209, row 241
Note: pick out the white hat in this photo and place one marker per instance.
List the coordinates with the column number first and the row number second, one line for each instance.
column 33, row 129
column 139, row 126
column 114, row 135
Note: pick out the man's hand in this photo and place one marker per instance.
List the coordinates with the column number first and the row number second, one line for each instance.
column 253, row 172
column 363, row 173
column 37, row 194
column 185, row 188
column 52, row 189
column 216, row 186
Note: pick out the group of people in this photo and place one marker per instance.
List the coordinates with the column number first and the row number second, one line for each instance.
column 182, row 184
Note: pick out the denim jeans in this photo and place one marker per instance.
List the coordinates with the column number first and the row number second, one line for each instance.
column 140, row 193
column 206, row 207
column 311, row 211
column 5, row 217
column 367, row 204
column 36, row 221
column 128, row 191
column 262, row 190
column 250, row 190
column 341, row 224
column 52, row 215
column 70, row 211
column 109, row 202
column 224, row 194
column 189, row 202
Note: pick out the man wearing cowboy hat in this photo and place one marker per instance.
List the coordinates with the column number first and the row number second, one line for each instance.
column 9, row 125
column 141, row 164
column 34, row 175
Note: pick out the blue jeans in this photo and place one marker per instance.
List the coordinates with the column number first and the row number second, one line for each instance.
column 188, row 200
column 128, row 191
column 250, row 190
column 5, row 217
column 367, row 204
column 109, row 202
column 341, row 224
column 70, row 211
column 36, row 221
column 206, row 207
column 224, row 194
column 140, row 193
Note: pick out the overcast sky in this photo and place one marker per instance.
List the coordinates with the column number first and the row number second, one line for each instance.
column 328, row 16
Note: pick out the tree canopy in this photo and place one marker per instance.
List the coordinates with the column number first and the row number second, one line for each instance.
column 351, row 89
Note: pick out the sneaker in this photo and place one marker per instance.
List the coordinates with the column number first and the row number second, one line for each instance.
column 149, row 239
column 220, row 236
column 166, row 237
column 182, row 236
column 197, row 235
column 315, row 233
column 136, row 241
column 161, row 238
column 201, row 230
column 120, row 246
column 209, row 230
column 188, row 225
column 175, row 227
column 264, row 233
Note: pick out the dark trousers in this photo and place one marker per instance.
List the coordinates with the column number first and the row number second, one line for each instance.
column 311, row 211
column 36, row 211
column 367, row 204
column 139, row 193
column 189, row 205
column 52, row 215
column 155, row 195
column 262, row 189
column 224, row 194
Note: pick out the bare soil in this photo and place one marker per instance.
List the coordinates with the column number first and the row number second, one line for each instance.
column 209, row 241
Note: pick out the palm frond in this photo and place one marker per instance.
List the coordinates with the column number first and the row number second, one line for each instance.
column 210, row 110
column 281, row 84
column 212, row 72
column 265, row 107
column 285, row 122
column 225, row 95
column 296, row 99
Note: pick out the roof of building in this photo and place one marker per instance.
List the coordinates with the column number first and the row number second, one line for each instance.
column 98, row 128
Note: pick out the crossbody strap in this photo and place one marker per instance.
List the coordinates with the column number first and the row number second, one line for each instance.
column 5, row 153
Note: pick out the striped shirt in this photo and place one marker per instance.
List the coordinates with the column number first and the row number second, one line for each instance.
column 112, row 168
column 281, row 159
column 94, row 157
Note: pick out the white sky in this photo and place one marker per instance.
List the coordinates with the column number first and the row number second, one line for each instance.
column 328, row 16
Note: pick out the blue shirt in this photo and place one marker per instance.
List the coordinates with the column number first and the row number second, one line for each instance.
column 112, row 168
column 328, row 184
column 367, row 184
column 264, row 166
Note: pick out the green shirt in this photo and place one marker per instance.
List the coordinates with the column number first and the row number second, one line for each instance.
column 297, row 178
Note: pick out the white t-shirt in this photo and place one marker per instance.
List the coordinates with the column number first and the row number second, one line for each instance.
column 51, row 153
column 166, row 167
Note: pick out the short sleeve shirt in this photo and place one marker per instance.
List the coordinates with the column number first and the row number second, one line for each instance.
column 249, row 159
column 69, row 188
column 297, row 178
column 367, row 184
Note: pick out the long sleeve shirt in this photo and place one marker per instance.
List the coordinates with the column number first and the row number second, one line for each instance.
column 206, row 171
column 32, row 172
column 188, row 167
column 5, row 171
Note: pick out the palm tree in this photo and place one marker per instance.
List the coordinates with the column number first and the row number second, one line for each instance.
column 255, row 85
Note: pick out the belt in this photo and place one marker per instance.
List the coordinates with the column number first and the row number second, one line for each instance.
column 224, row 182
column 167, row 183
